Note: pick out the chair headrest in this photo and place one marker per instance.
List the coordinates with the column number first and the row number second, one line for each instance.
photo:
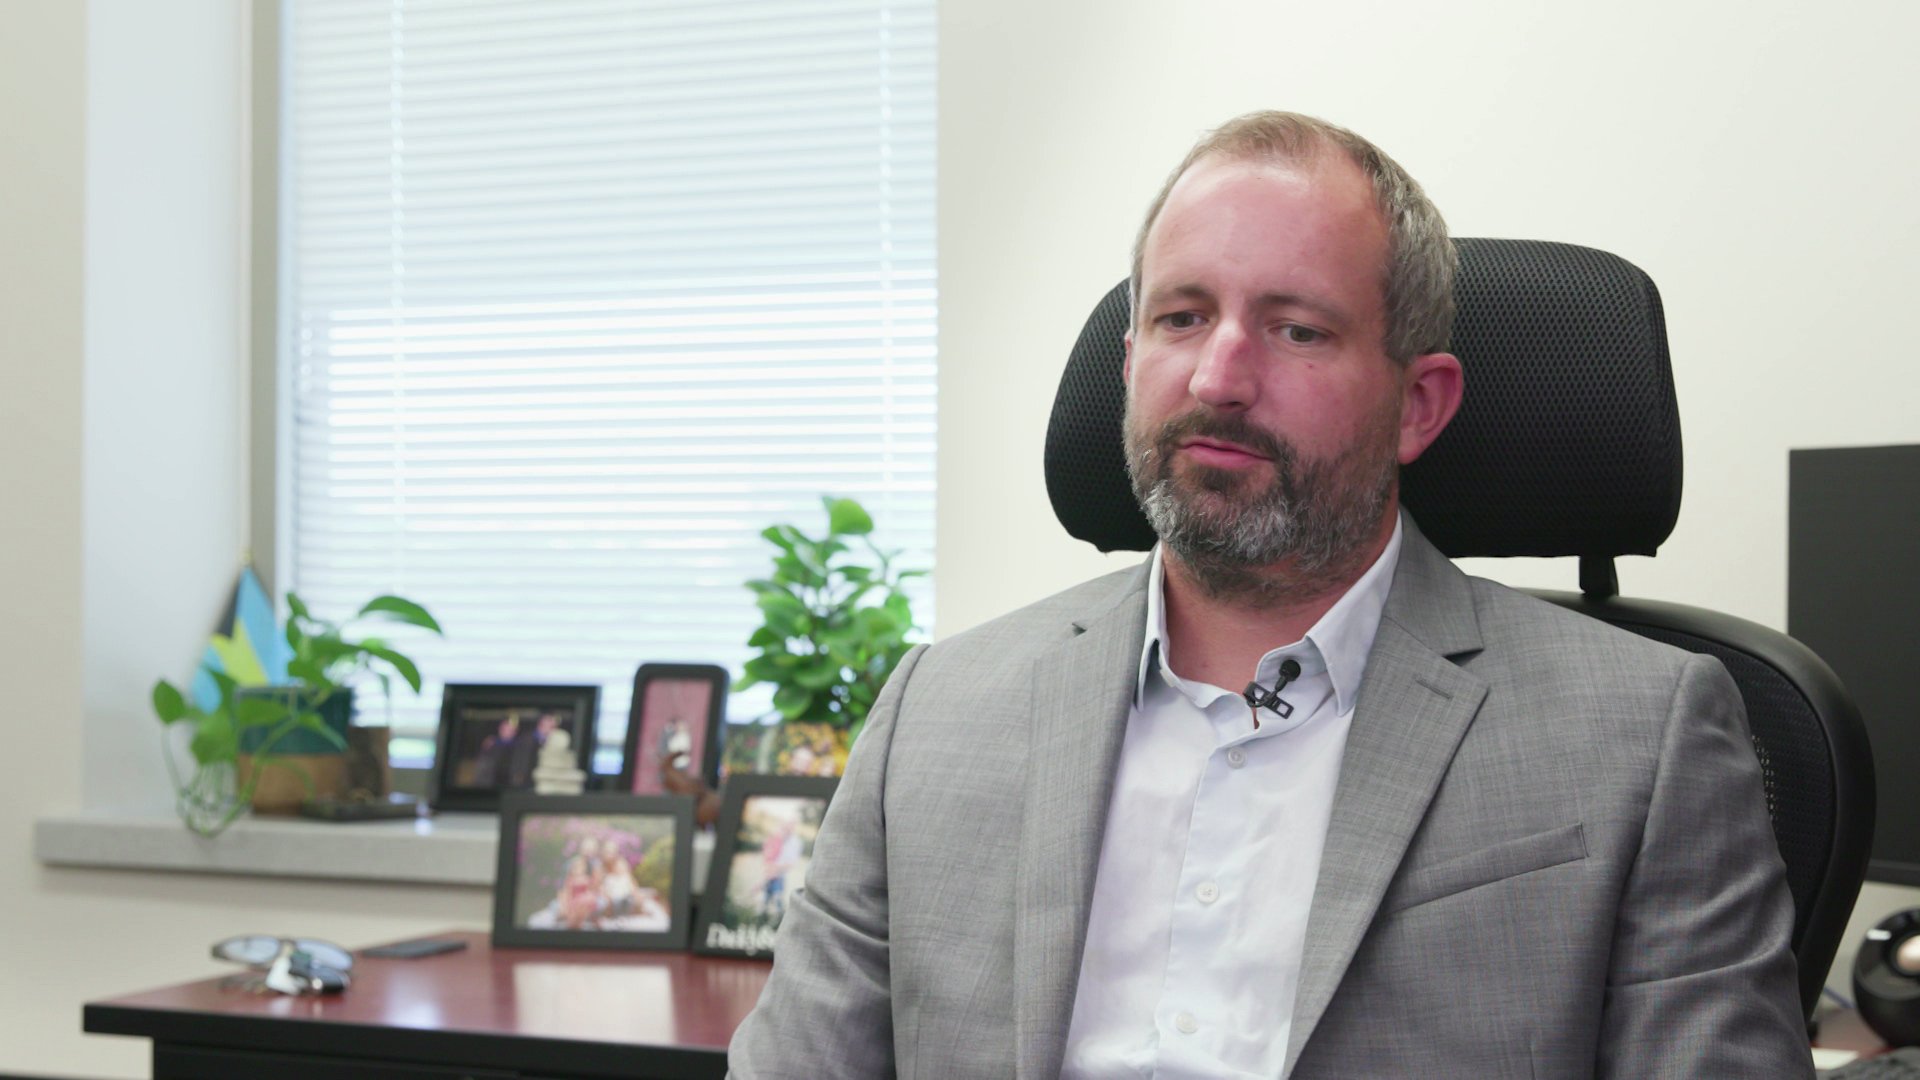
column 1567, row 442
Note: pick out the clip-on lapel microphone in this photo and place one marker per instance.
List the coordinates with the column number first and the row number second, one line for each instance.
column 1259, row 697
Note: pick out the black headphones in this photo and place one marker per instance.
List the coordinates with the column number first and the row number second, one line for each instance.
column 1886, row 978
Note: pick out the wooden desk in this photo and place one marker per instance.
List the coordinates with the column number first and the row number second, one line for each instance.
column 487, row 1014
column 483, row 1013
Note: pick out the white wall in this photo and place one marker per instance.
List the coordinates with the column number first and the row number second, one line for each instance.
column 121, row 391
column 163, row 476
column 1756, row 158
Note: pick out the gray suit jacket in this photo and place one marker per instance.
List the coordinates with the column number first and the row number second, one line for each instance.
column 1549, row 856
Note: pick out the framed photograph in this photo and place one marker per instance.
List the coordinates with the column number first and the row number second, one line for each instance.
column 490, row 739
column 784, row 749
column 605, row 871
column 760, row 857
column 676, row 717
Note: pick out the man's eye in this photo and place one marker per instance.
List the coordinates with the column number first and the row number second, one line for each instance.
column 1182, row 320
column 1301, row 335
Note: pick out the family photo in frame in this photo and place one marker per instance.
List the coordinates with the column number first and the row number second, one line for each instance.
column 760, row 858
column 785, row 748
column 605, row 871
column 491, row 736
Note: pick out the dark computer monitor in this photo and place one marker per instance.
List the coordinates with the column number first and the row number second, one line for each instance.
column 1853, row 596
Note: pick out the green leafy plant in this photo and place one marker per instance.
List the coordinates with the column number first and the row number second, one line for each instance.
column 836, row 624
column 324, row 666
column 326, row 663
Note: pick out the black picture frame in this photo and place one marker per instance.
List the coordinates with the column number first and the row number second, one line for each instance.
column 712, row 934
column 639, row 770
column 520, row 810
column 448, row 789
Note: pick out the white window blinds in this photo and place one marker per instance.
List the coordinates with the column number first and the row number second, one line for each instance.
column 579, row 296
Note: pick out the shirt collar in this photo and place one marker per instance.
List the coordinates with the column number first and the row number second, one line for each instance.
column 1343, row 637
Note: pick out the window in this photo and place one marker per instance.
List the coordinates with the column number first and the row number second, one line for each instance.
column 580, row 295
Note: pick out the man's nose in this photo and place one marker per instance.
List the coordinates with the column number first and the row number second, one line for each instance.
column 1226, row 375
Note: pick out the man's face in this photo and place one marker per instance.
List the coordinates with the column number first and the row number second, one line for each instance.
column 1263, row 415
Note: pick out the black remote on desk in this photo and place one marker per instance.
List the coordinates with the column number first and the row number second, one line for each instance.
column 415, row 949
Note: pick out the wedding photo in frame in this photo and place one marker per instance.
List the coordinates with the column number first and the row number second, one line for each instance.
column 676, row 716
column 604, row 871
column 760, row 858
column 491, row 735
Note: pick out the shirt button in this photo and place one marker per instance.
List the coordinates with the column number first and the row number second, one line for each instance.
column 1186, row 1023
column 1236, row 757
column 1208, row 892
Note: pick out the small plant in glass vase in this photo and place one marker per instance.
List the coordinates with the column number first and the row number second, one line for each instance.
column 835, row 624
column 251, row 722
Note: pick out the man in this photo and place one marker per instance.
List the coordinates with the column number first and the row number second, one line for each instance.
column 1464, row 833
column 496, row 753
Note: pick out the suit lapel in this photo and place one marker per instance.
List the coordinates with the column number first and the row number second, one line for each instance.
column 1083, row 690
column 1413, row 708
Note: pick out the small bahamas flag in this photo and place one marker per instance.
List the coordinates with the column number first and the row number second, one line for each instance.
column 248, row 645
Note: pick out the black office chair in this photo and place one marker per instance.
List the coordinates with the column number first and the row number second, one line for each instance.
column 1568, row 443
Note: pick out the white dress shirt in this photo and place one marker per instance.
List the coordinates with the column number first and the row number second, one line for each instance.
column 1212, row 849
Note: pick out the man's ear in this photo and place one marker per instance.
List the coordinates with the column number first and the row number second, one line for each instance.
column 1126, row 365
column 1431, row 388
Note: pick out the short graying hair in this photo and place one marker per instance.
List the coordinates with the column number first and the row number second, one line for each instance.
column 1418, row 278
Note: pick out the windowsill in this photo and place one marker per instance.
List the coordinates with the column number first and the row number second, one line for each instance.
column 446, row 849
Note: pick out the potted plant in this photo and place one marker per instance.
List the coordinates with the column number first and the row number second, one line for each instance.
column 234, row 743
column 836, row 621
column 836, row 625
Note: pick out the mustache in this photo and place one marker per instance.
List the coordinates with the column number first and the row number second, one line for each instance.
column 1226, row 427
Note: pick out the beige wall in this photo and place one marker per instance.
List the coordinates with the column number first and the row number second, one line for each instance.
column 1757, row 158
column 41, row 132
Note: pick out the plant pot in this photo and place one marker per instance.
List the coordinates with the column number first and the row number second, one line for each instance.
column 337, row 711
column 284, row 781
column 301, row 763
column 368, row 767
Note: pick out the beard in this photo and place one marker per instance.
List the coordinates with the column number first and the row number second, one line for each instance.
column 1263, row 545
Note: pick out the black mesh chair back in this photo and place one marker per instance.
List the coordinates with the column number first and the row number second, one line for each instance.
column 1567, row 443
